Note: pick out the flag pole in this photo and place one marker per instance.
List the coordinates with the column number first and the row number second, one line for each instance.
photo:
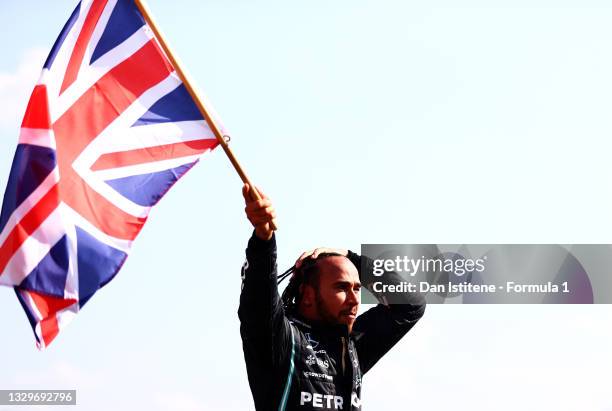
column 209, row 119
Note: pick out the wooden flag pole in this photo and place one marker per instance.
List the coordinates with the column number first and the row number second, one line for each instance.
column 209, row 119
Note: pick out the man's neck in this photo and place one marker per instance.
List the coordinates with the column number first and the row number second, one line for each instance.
column 324, row 326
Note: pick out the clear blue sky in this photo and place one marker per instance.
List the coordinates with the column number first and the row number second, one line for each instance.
column 365, row 122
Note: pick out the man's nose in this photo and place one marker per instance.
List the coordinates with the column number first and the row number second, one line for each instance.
column 354, row 297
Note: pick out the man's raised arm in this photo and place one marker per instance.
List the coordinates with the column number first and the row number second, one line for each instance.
column 260, row 312
column 381, row 327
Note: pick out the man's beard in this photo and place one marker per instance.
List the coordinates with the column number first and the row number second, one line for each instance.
column 326, row 315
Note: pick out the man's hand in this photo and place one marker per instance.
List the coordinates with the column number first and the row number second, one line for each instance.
column 315, row 253
column 259, row 212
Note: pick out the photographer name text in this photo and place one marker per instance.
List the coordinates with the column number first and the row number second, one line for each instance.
column 466, row 287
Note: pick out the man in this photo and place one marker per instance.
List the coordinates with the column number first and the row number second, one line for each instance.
column 309, row 350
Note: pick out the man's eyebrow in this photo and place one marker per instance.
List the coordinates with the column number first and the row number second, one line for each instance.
column 345, row 283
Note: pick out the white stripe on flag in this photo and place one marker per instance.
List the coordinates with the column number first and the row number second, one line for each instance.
column 33, row 250
column 74, row 218
column 29, row 202
column 37, row 137
column 157, row 134
column 71, row 289
column 90, row 74
column 55, row 77
column 120, row 126
column 146, row 168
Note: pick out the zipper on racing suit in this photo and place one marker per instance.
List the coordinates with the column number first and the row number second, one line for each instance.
column 343, row 355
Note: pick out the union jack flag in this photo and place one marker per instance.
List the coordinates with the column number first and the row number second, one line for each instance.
column 109, row 128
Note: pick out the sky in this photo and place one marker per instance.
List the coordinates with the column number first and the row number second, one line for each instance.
column 365, row 122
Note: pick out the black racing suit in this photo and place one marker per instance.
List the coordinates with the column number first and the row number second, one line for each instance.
column 293, row 365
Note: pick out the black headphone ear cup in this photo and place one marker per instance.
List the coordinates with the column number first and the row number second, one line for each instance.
column 288, row 297
column 292, row 293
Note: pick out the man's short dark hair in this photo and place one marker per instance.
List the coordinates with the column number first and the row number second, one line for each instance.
column 308, row 273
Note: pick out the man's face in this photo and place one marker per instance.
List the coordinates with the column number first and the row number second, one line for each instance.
column 338, row 298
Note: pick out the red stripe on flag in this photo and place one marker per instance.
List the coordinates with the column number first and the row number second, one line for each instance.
column 87, row 118
column 157, row 153
column 49, row 328
column 37, row 113
column 107, row 99
column 28, row 224
column 100, row 212
column 72, row 71
column 48, row 307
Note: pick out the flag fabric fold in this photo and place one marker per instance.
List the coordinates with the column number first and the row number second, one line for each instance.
column 109, row 128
